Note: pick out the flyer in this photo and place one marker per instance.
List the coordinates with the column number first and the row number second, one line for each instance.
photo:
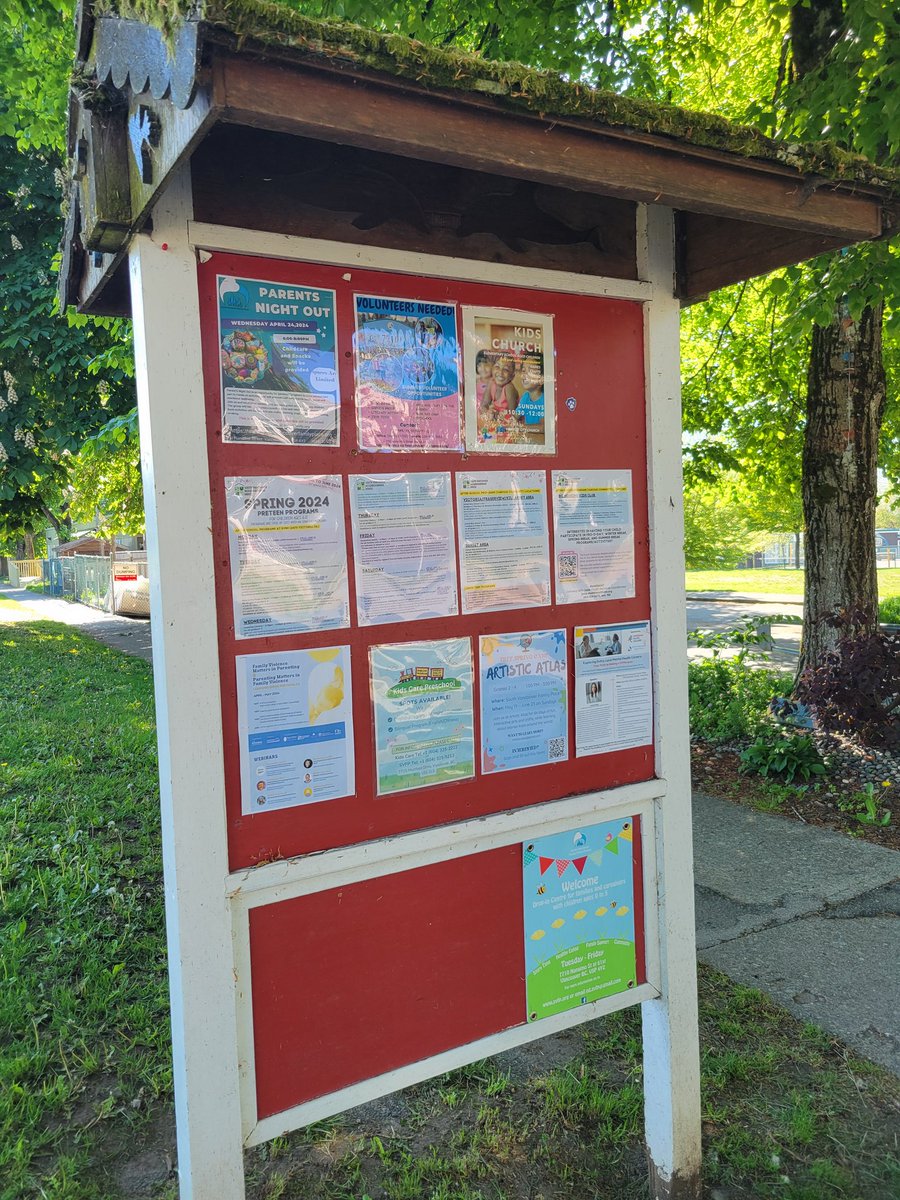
column 406, row 363
column 613, row 688
column 593, row 527
column 277, row 361
column 295, row 724
column 524, row 700
column 578, row 892
column 510, row 381
column 504, row 542
column 288, row 554
column 404, row 547
column 424, row 726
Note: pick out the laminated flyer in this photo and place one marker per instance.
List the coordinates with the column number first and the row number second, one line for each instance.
column 277, row 362
column 406, row 362
column 613, row 688
column 524, row 699
column 404, row 547
column 593, row 528
column 578, row 893
column 295, row 724
column 510, row 377
column 504, row 541
column 424, row 725
column 288, row 554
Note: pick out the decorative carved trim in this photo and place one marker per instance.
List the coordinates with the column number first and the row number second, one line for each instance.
column 129, row 52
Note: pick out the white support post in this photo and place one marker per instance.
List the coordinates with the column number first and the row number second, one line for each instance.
column 671, row 1048
column 165, row 307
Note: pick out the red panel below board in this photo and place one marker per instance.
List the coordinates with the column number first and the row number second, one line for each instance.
column 600, row 365
column 357, row 981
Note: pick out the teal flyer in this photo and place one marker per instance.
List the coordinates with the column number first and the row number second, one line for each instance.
column 524, row 700
column 424, row 726
column 578, row 891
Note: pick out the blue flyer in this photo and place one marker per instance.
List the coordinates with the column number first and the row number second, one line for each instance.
column 578, row 892
column 278, row 366
column 524, row 700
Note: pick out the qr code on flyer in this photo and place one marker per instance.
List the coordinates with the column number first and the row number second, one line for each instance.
column 567, row 564
column 556, row 748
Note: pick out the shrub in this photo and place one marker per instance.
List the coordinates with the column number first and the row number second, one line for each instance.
column 889, row 611
column 857, row 688
column 728, row 700
column 793, row 756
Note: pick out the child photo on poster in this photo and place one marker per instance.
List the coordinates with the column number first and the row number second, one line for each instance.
column 509, row 377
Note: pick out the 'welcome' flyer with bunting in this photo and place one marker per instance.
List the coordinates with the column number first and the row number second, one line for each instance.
column 579, row 917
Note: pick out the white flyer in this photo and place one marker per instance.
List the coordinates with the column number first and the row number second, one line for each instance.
column 404, row 547
column 288, row 554
column 593, row 526
column 295, row 724
column 504, row 540
column 613, row 688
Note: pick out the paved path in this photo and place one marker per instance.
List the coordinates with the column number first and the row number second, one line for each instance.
column 809, row 916
column 129, row 634
column 726, row 610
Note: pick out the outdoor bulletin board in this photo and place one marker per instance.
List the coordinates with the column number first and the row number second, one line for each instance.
column 429, row 512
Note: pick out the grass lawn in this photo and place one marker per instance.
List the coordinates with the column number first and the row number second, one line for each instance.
column 777, row 582
column 85, row 1103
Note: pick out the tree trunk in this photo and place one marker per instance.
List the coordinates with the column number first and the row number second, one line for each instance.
column 845, row 406
column 4, row 567
column 29, row 544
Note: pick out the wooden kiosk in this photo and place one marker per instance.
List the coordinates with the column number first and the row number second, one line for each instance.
column 406, row 332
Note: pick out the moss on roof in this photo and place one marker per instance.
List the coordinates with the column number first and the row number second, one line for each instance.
column 513, row 85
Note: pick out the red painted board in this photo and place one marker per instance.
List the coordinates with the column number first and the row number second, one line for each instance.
column 356, row 981
column 600, row 362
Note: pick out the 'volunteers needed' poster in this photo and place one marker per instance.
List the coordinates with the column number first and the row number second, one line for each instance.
column 593, row 526
column 277, row 361
column 406, row 357
column 424, row 726
column 510, row 402
column 613, row 688
column 404, row 547
column 524, row 699
column 504, row 541
column 288, row 554
column 295, row 725
column 578, row 891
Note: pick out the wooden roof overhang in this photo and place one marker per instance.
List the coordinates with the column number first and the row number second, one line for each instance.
column 305, row 136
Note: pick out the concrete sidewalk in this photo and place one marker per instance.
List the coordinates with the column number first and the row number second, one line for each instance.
column 809, row 916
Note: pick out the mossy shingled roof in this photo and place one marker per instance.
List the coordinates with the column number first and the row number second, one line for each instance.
column 262, row 23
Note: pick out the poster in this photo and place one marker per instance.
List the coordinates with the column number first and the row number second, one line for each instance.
column 406, row 362
column 288, row 554
column 424, row 726
column 504, row 541
column 277, row 361
column 524, row 700
column 510, row 381
column 578, row 892
column 295, row 725
column 593, row 526
column 404, row 547
column 613, row 688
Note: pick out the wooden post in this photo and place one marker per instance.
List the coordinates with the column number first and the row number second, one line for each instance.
column 186, row 674
column 671, row 1049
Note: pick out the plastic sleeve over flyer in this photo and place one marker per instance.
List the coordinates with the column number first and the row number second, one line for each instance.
column 277, row 362
column 295, row 724
column 406, row 361
column 580, row 937
column 613, row 688
column 524, row 699
column 404, row 546
column 288, row 554
column 422, row 694
column 593, row 526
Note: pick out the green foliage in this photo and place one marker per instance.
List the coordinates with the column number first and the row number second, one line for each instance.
column 729, row 700
column 106, row 478
column 889, row 611
column 36, row 54
column 792, row 756
column 717, row 531
column 865, row 807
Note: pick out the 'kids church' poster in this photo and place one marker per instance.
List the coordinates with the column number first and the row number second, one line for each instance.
column 579, row 917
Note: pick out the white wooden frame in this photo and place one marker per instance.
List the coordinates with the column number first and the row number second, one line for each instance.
column 208, row 908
